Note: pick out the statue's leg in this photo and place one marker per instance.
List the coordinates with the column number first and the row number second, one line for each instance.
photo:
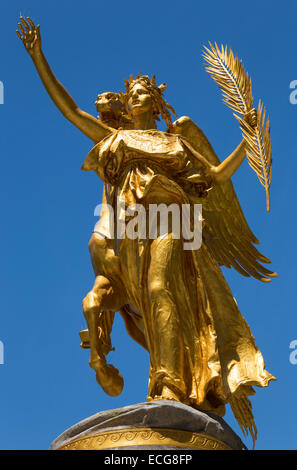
column 105, row 264
column 92, row 309
column 166, row 332
column 101, row 298
column 107, row 294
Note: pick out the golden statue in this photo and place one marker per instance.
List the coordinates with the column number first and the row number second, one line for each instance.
column 175, row 302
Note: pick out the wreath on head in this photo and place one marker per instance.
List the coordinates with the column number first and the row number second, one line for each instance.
column 160, row 107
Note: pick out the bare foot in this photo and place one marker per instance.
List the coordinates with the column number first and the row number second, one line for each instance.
column 167, row 394
column 107, row 376
column 111, row 380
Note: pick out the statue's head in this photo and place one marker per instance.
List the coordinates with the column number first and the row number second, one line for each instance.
column 144, row 96
column 109, row 103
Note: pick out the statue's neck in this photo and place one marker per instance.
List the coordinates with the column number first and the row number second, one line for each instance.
column 144, row 121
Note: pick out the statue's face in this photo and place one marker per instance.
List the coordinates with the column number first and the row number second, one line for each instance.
column 140, row 100
column 108, row 102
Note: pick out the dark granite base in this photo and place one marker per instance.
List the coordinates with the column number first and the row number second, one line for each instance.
column 143, row 423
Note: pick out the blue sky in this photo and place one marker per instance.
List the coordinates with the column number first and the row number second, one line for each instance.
column 47, row 202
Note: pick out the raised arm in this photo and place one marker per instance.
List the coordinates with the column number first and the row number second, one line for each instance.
column 228, row 167
column 220, row 172
column 89, row 125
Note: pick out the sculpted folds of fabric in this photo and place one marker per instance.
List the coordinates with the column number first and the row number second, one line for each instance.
column 175, row 301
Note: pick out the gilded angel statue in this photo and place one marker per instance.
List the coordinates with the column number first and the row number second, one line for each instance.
column 175, row 303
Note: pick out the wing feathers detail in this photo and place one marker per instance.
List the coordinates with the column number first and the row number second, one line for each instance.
column 226, row 232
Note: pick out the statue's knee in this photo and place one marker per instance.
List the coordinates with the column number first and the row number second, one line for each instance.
column 101, row 285
column 156, row 289
column 97, row 243
column 103, row 257
column 95, row 298
column 90, row 302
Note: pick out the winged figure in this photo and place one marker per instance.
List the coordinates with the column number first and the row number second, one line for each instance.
column 175, row 303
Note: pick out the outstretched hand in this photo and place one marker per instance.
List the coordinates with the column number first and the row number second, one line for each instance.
column 29, row 35
column 251, row 117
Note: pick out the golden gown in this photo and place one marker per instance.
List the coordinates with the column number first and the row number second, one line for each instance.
column 180, row 307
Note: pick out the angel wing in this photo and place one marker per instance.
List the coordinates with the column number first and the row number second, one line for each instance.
column 226, row 232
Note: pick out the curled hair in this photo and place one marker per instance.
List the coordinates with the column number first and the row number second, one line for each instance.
column 160, row 107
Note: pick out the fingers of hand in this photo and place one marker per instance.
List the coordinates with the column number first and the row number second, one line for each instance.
column 22, row 29
column 31, row 23
column 25, row 24
column 251, row 117
column 27, row 31
column 19, row 34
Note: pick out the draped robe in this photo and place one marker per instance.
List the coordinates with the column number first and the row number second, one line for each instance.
column 200, row 346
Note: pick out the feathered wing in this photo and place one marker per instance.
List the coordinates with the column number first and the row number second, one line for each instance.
column 230, row 242
column 226, row 232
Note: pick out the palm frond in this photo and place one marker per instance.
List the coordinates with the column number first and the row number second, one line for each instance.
column 228, row 71
column 259, row 148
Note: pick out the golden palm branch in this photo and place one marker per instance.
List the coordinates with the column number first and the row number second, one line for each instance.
column 229, row 73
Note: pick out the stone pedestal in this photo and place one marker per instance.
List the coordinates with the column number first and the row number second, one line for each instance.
column 152, row 425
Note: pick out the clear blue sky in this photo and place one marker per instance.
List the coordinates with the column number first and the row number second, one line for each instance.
column 47, row 202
